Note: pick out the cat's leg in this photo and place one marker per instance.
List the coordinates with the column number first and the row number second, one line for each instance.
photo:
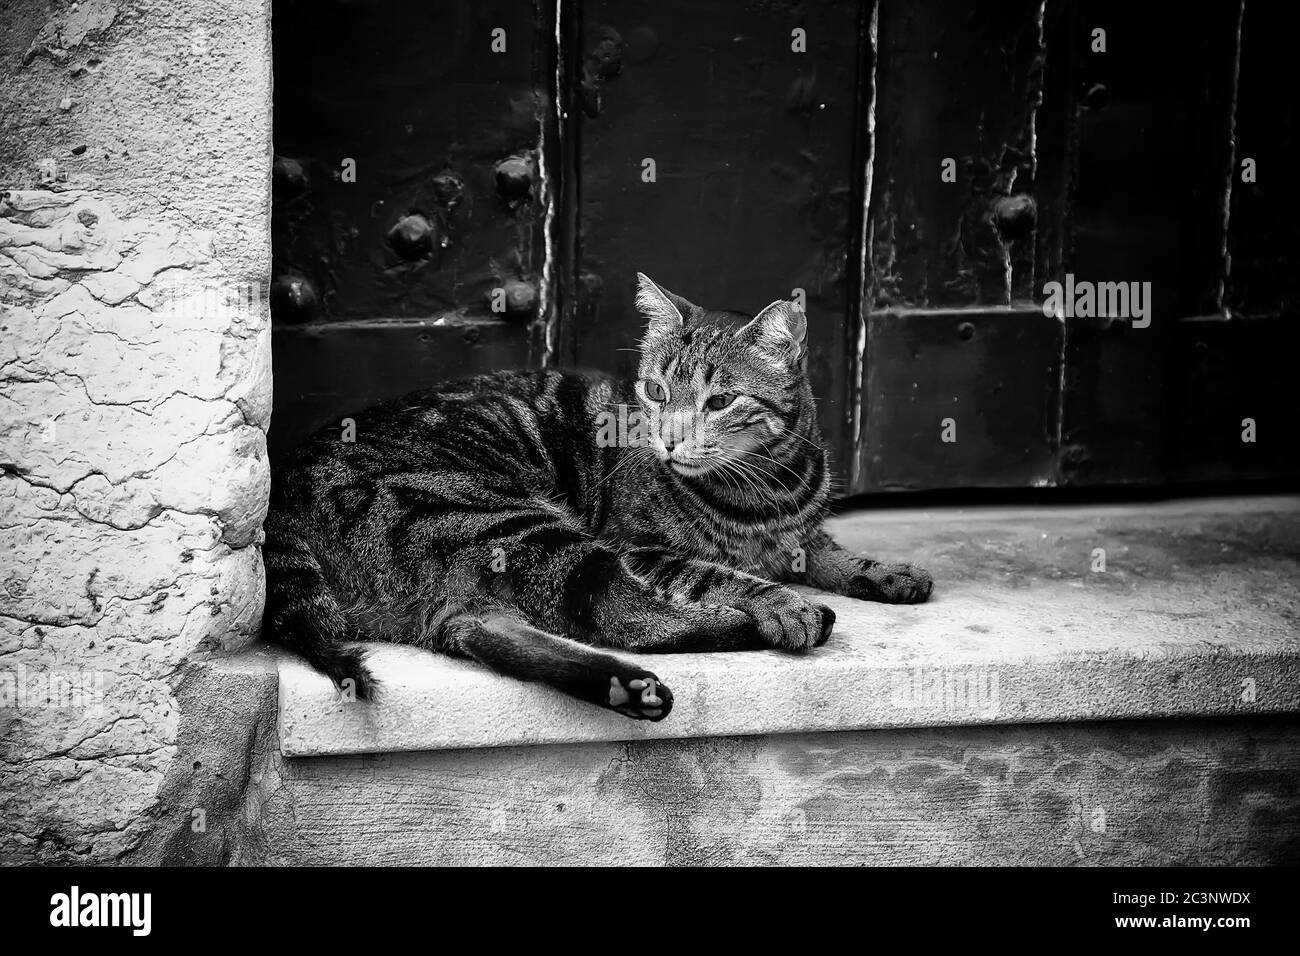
column 783, row 618
column 832, row 568
column 512, row 647
column 303, row 613
column 566, row 582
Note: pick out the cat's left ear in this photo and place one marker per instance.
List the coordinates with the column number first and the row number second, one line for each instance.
column 659, row 306
column 780, row 329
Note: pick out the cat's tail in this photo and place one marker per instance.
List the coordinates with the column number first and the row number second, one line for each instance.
column 303, row 614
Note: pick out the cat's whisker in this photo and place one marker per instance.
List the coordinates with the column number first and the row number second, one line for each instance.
column 763, row 495
column 790, row 432
column 729, row 467
column 767, row 495
column 723, row 474
column 626, row 460
column 634, row 455
column 769, row 458
column 766, row 474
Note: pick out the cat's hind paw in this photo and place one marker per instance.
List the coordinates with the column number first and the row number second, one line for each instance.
column 642, row 698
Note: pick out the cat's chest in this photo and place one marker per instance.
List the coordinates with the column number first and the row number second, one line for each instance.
column 759, row 552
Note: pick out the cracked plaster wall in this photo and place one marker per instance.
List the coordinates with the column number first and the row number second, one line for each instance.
column 135, row 393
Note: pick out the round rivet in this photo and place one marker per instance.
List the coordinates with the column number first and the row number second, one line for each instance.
column 515, row 176
column 1097, row 96
column 606, row 58
column 1015, row 215
column 288, row 178
column 293, row 299
column 412, row 237
column 966, row 331
column 521, row 297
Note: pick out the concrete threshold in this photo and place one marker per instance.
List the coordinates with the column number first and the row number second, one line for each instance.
column 1042, row 615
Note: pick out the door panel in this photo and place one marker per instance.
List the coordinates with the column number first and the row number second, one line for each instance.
column 1128, row 156
column 1264, row 227
column 960, row 82
column 414, row 93
column 386, row 283
column 961, row 398
column 1150, row 152
column 757, row 188
column 961, row 373
column 1239, row 364
column 324, row 371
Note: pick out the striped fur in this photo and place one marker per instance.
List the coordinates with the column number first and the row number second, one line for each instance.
column 487, row 519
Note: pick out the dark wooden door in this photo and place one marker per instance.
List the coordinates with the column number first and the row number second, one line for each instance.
column 917, row 171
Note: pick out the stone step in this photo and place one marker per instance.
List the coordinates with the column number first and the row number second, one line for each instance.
column 1040, row 615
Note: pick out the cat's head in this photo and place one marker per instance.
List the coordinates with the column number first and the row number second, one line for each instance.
column 719, row 388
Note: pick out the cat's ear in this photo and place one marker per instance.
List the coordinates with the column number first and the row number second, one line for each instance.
column 780, row 329
column 661, row 309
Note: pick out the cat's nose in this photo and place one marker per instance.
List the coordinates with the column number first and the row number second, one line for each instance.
column 670, row 444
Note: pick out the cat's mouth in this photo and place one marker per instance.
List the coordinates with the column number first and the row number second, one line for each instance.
column 688, row 469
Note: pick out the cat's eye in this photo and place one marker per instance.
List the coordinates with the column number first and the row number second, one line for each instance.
column 655, row 392
column 717, row 403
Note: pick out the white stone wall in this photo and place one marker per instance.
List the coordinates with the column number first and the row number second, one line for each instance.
column 134, row 396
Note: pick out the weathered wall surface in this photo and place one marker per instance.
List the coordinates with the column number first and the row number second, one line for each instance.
column 134, row 396
column 1130, row 793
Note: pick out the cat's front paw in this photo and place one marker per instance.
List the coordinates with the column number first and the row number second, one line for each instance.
column 641, row 696
column 890, row 583
column 786, row 620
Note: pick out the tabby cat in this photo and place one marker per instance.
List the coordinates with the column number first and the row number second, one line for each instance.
column 527, row 520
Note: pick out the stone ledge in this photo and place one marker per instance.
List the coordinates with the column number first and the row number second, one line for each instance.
column 1195, row 615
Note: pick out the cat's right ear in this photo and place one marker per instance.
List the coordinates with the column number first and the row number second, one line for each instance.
column 656, row 304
